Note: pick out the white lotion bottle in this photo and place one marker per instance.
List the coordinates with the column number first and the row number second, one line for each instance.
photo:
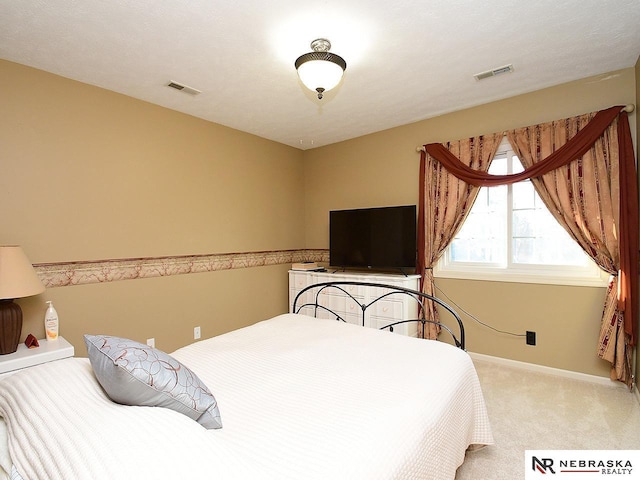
column 51, row 322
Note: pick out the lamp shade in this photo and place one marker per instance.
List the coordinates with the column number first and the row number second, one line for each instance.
column 17, row 277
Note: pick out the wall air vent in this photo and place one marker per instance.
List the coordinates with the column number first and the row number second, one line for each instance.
column 184, row 88
column 494, row 72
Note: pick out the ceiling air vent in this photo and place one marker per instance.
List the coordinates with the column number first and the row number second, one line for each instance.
column 494, row 72
column 184, row 88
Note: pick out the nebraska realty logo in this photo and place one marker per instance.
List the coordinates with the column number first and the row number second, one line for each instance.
column 582, row 464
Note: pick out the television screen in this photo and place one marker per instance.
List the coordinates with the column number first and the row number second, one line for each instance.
column 382, row 238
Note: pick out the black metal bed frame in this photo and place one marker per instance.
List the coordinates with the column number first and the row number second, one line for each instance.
column 419, row 297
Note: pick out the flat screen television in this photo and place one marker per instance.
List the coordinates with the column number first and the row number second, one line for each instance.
column 381, row 238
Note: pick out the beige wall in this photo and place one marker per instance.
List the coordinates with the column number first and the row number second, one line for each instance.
column 89, row 174
column 382, row 169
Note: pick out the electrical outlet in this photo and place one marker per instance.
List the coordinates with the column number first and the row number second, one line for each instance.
column 531, row 338
column 151, row 342
column 196, row 333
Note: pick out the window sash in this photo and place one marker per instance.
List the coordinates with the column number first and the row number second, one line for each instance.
column 504, row 268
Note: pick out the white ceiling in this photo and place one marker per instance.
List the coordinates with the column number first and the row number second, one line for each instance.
column 406, row 60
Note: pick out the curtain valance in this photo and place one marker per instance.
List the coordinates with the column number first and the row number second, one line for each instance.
column 578, row 145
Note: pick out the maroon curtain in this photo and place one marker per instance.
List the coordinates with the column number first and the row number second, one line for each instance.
column 573, row 149
column 629, row 243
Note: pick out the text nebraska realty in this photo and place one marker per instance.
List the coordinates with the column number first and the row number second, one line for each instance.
column 605, row 467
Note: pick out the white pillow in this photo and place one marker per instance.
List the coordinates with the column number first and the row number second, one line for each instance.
column 135, row 374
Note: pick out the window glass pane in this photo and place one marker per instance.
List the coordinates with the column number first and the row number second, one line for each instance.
column 482, row 238
column 524, row 223
column 539, row 239
column 461, row 249
column 497, row 198
column 499, row 166
column 471, row 250
column 524, row 250
column 524, row 195
column 482, row 202
column 516, row 167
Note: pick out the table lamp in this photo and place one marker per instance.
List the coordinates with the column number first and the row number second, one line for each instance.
column 18, row 279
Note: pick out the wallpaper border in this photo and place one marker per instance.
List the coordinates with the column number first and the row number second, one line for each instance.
column 64, row 274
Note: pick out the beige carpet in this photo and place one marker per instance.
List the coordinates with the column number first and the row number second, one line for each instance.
column 536, row 411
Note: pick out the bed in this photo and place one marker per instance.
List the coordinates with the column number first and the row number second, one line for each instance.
column 298, row 397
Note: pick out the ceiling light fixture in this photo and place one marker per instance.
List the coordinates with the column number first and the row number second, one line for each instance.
column 320, row 70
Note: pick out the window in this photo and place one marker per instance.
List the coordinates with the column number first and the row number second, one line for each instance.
column 510, row 235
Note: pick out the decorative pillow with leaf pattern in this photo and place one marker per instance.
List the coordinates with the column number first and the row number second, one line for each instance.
column 132, row 373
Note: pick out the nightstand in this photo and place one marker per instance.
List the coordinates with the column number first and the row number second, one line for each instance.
column 28, row 357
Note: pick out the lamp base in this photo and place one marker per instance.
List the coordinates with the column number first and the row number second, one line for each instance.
column 10, row 326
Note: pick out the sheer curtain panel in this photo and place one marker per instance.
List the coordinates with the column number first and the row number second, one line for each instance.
column 444, row 203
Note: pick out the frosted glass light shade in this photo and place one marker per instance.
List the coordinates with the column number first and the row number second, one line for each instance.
column 17, row 277
column 320, row 70
column 322, row 74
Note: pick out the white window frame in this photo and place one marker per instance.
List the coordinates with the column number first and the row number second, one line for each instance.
column 591, row 275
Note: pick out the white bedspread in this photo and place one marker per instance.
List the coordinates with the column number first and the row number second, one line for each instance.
column 300, row 399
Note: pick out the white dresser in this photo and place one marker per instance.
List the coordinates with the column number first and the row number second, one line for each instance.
column 386, row 311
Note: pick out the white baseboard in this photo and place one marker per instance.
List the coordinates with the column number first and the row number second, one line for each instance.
column 532, row 367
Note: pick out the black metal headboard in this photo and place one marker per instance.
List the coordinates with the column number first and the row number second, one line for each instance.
column 389, row 290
